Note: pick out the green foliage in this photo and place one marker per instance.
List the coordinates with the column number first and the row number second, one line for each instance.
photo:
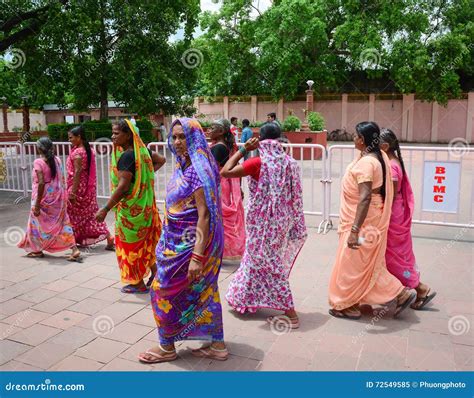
column 205, row 123
column 316, row 121
column 256, row 124
column 98, row 129
column 421, row 47
column 98, row 50
column 291, row 123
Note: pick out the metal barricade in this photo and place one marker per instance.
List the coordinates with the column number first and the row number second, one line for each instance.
column 13, row 159
column 339, row 157
column 321, row 174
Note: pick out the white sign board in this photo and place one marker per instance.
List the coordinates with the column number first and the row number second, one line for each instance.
column 441, row 186
column 69, row 119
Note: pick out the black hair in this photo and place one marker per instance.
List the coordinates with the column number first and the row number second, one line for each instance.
column 245, row 123
column 45, row 146
column 80, row 131
column 370, row 132
column 124, row 127
column 388, row 136
column 272, row 115
column 270, row 131
column 229, row 138
column 233, row 119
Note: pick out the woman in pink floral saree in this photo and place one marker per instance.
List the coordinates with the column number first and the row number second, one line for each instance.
column 276, row 228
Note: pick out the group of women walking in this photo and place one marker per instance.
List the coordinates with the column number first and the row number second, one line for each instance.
column 203, row 223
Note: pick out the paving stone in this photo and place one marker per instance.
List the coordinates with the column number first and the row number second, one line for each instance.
column 53, row 305
column 89, row 306
column 26, row 318
column 64, row 319
column 77, row 293
column 98, row 283
column 128, row 332
column 119, row 364
column 61, row 285
column 38, row 295
column 101, row 350
column 7, row 330
column 74, row 363
column 11, row 350
column 74, row 337
column 45, row 355
column 35, row 334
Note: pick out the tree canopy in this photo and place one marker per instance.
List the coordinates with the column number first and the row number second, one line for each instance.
column 89, row 52
column 421, row 47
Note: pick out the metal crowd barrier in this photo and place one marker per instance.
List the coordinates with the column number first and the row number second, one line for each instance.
column 321, row 172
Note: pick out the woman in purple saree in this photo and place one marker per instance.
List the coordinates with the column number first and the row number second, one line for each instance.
column 184, row 294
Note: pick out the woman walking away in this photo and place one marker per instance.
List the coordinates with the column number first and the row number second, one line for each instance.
column 360, row 274
column 137, row 224
column 222, row 147
column 82, row 192
column 49, row 228
column 399, row 256
column 184, row 295
column 276, row 228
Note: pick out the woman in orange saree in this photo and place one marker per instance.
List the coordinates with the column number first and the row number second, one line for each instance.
column 360, row 274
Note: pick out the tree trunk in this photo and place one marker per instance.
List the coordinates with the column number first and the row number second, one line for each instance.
column 103, row 68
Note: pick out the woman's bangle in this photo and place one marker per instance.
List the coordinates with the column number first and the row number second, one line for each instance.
column 243, row 151
column 106, row 208
column 198, row 257
column 355, row 228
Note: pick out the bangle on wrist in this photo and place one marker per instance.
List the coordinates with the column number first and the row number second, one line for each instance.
column 355, row 229
column 106, row 208
column 243, row 151
column 198, row 257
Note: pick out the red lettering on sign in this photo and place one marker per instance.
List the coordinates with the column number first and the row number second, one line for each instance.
column 439, row 179
column 439, row 189
column 438, row 198
column 440, row 170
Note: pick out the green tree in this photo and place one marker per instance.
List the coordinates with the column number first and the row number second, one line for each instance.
column 421, row 47
column 97, row 50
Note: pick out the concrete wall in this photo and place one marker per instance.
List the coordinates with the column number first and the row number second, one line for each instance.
column 15, row 121
column 411, row 119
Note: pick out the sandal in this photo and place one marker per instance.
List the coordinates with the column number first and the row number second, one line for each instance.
column 110, row 247
column 283, row 320
column 420, row 302
column 150, row 280
column 75, row 257
column 168, row 356
column 131, row 289
column 211, row 353
column 35, row 255
column 344, row 314
column 402, row 306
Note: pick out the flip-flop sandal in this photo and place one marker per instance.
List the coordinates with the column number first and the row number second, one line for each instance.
column 159, row 357
column 110, row 248
column 130, row 289
column 403, row 306
column 420, row 302
column 35, row 255
column 211, row 353
column 75, row 259
column 283, row 319
column 342, row 314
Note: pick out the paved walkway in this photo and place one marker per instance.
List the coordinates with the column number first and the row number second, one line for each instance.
column 58, row 315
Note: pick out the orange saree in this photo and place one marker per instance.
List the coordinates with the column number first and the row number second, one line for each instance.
column 361, row 276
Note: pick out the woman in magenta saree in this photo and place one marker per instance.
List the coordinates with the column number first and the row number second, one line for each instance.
column 82, row 192
column 223, row 147
column 184, row 294
column 399, row 255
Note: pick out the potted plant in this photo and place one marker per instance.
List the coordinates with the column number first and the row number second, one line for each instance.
column 291, row 124
column 316, row 135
